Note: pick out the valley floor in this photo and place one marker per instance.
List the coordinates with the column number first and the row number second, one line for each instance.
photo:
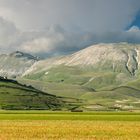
column 43, row 125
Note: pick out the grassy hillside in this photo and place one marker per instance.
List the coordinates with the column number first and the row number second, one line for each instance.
column 120, row 97
column 86, row 77
column 17, row 96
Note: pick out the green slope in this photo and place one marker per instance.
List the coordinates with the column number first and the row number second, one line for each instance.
column 17, row 96
column 122, row 98
column 96, row 87
column 78, row 76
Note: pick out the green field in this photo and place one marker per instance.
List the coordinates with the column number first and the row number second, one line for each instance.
column 45, row 115
column 42, row 125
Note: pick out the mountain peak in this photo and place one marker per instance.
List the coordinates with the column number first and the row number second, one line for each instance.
column 19, row 54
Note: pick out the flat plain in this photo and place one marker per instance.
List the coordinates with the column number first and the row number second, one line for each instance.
column 42, row 125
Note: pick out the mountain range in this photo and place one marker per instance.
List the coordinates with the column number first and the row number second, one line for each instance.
column 104, row 76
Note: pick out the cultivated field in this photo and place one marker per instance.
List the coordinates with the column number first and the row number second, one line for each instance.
column 43, row 125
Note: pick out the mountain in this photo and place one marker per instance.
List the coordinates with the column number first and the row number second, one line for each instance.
column 104, row 63
column 15, row 64
column 119, row 57
column 14, row 95
column 104, row 74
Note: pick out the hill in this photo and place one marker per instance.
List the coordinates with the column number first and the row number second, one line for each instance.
column 14, row 95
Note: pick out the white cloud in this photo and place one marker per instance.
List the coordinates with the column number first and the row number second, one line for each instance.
column 41, row 45
column 55, row 41
column 8, row 34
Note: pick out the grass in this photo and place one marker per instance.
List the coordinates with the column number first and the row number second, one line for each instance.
column 42, row 125
column 106, row 97
column 88, row 77
column 21, row 97
column 86, row 116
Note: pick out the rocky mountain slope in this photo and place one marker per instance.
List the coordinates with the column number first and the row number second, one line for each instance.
column 119, row 57
column 15, row 64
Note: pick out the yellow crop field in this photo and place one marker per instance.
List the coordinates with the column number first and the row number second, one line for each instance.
column 69, row 130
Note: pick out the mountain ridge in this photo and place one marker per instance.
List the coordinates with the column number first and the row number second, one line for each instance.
column 124, row 54
column 16, row 63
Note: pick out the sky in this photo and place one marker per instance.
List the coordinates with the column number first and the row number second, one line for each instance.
column 57, row 27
